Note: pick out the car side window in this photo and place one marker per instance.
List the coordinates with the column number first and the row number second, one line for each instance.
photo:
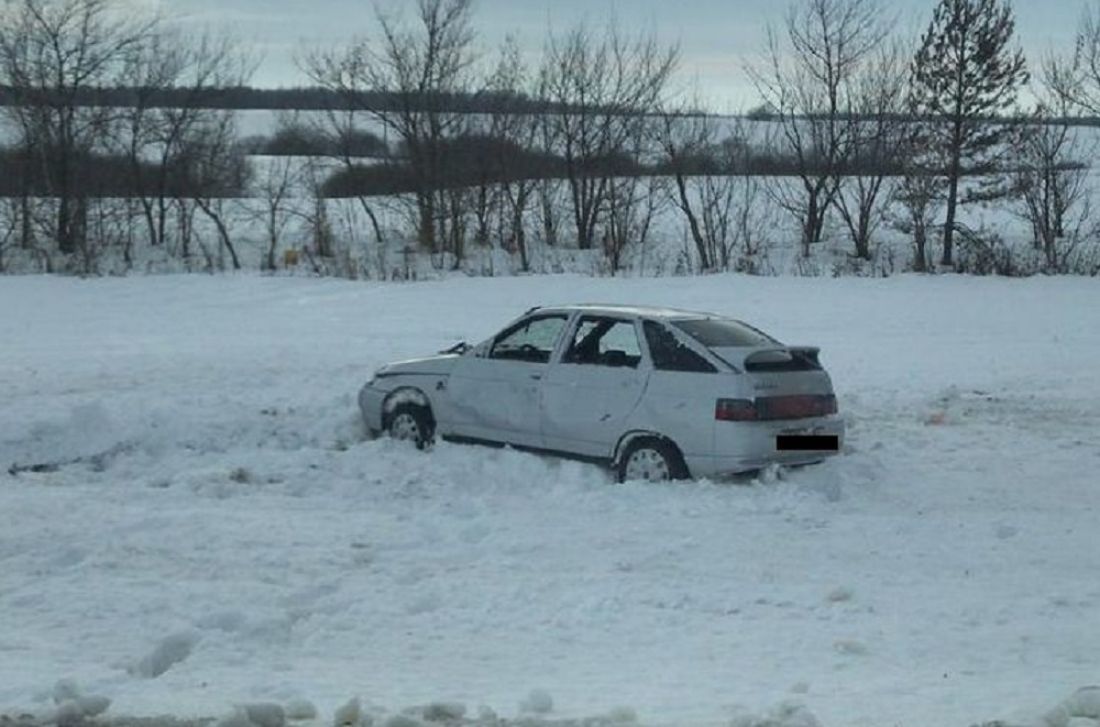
column 604, row 342
column 530, row 340
column 669, row 354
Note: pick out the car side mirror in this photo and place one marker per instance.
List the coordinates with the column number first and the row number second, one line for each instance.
column 459, row 348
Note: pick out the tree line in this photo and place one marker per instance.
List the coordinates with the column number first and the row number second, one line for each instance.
column 302, row 98
column 857, row 129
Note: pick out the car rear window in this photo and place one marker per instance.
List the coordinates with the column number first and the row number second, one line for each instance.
column 723, row 332
column 669, row 354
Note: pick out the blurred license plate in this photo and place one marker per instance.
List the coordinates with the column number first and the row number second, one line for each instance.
column 800, row 442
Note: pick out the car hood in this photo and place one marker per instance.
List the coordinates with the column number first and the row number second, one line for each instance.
column 429, row 365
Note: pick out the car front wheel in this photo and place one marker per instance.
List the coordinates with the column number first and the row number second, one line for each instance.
column 651, row 459
column 411, row 423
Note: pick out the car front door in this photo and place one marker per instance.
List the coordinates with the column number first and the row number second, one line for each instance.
column 495, row 395
column 590, row 392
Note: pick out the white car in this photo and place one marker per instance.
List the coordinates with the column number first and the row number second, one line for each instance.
column 656, row 393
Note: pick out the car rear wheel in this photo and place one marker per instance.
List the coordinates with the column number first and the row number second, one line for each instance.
column 651, row 459
column 411, row 423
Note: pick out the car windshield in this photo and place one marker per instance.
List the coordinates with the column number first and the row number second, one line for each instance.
column 724, row 332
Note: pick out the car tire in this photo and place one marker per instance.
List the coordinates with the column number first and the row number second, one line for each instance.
column 411, row 423
column 651, row 459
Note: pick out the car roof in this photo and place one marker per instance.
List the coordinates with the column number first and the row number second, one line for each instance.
column 612, row 309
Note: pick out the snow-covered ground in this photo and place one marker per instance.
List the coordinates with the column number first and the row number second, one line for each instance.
column 219, row 533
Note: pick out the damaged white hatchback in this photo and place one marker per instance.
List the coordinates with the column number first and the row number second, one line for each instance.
column 656, row 393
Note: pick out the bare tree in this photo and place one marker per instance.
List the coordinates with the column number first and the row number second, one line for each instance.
column 880, row 99
column 55, row 55
column 319, row 220
column 153, row 135
column 517, row 195
column 597, row 91
column 919, row 194
column 632, row 205
column 9, row 227
column 213, row 170
column 341, row 125
column 807, row 78
column 507, row 180
column 1076, row 79
column 419, row 71
column 687, row 141
column 707, row 175
column 279, row 182
column 1051, row 177
column 750, row 221
column 713, row 186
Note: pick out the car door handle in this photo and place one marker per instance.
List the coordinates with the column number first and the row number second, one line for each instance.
column 536, row 376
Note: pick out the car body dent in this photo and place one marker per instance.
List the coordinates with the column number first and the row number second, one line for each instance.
column 440, row 365
column 680, row 405
column 492, row 399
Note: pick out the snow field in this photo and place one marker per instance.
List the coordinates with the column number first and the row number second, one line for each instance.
column 216, row 531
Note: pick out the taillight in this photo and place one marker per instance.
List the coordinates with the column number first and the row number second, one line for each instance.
column 767, row 408
column 735, row 410
column 801, row 406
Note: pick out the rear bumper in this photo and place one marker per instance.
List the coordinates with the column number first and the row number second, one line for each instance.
column 745, row 446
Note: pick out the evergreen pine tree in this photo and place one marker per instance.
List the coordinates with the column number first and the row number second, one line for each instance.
column 965, row 74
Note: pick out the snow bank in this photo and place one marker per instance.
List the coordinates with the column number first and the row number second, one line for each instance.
column 212, row 532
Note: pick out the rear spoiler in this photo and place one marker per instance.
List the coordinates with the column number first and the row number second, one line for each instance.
column 791, row 358
column 771, row 359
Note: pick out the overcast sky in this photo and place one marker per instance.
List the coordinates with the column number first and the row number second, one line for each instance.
column 716, row 36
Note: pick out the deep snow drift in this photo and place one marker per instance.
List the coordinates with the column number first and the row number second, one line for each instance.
column 217, row 532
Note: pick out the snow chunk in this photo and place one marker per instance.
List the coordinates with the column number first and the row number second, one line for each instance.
column 93, row 705
column 769, row 474
column 1081, row 706
column 444, row 712
column 1080, row 709
column 237, row 718
column 1085, row 702
column 850, row 647
column 299, row 710
column 169, row 652
column 350, row 715
column 73, row 706
column 265, row 714
column 67, row 713
column 1082, row 722
column 487, row 714
column 65, row 690
column 402, row 720
column 787, row 714
column 538, row 701
column 619, row 716
column 76, row 711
